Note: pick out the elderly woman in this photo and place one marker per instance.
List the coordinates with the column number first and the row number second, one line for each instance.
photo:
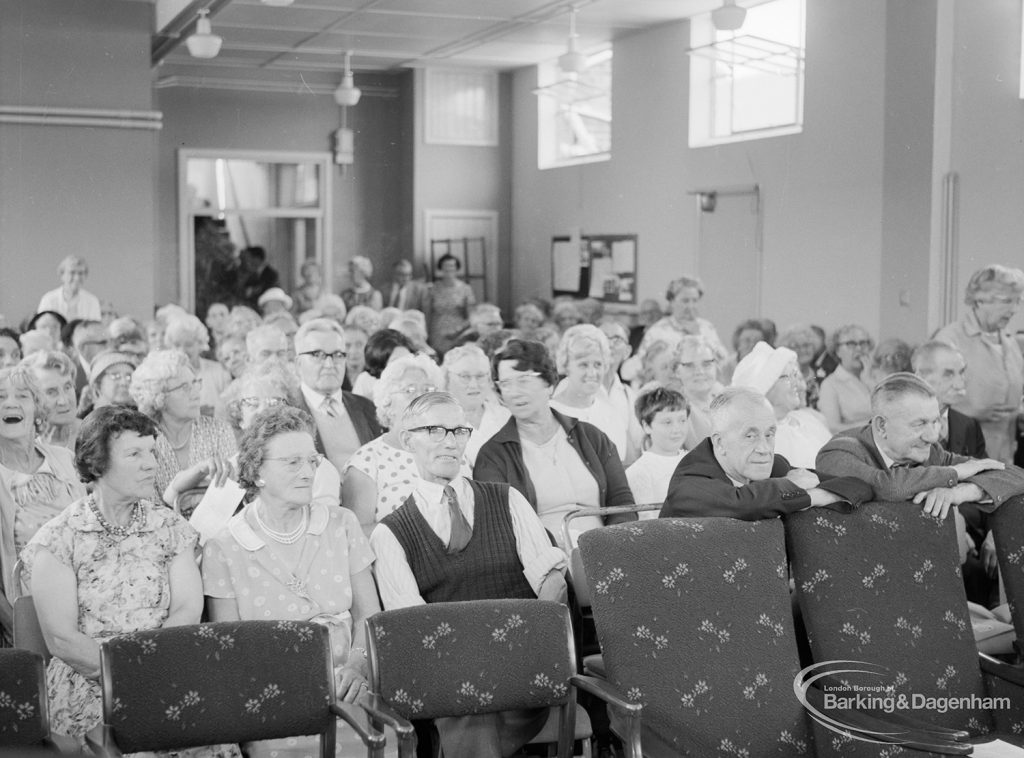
column 528, row 318
column 191, row 449
column 187, row 334
column 558, row 462
column 242, row 319
column 55, row 377
column 995, row 366
column 697, row 373
column 583, row 357
column 845, row 396
column 467, row 375
column 355, row 355
column 309, row 291
column 892, row 356
column 382, row 347
column 746, row 334
column 658, row 368
column 360, row 291
column 110, row 563
column 128, row 336
column 365, row 318
column 272, row 384
column 684, row 295
column 286, row 556
column 50, row 322
column 232, row 354
column 37, row 480
column 10, row 348
column 379, row 475
column 803, row 341
column 450, row 300
column 775, row 373
column 110, row 376
column 566, row 313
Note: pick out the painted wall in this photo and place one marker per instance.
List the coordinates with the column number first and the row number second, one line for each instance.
column 372, row 199
column 85, row 190
column 821, row 189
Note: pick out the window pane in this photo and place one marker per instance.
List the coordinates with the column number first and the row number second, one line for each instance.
column 219, row 184
column 575, row 112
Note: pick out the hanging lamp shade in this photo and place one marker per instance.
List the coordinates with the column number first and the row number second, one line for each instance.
column 729, row 17
column 203, row 43
column 348, row 93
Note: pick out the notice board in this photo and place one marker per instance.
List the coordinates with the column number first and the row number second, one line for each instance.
column 601, row 266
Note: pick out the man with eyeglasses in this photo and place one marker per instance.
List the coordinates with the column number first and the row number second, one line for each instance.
column 457, row 539
column 344, row 421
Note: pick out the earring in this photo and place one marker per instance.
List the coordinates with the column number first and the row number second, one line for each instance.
column 261, row 482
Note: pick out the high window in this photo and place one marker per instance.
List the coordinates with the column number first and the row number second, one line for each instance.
column 748, row 83
column 574, row 113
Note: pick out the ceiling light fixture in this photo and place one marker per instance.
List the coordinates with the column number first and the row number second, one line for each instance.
column 572, row 61
column 203, row 43
column 348, row 93
column 729, row 17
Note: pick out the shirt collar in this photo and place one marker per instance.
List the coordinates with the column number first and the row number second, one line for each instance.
column 315, row 400
column 241, row 529
column 433, row 492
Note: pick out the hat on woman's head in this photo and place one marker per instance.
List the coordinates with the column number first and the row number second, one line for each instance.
column 278, row 294
column 762, row 367
column 109, row 358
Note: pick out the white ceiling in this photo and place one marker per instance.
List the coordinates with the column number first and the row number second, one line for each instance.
column 268, row 47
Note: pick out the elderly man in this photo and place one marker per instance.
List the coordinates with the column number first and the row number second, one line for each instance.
column 69, row 299
column 899, row 455
column 88, row 338
column 344, row 421
column 944, row 368
column 735, row 473
column 406, row 293
column 484, row 320
column 457, row 539
column 265, row 342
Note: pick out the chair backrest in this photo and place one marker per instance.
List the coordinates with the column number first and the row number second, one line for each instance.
column 882, row 585
column 1008, row 529
column 28, row 634
column 695, row 624
column 225, row 682
column 23, row 714
column 482, row 656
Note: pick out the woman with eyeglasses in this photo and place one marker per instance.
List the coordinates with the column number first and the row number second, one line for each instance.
column 696, row 372
column 467, row 375
column 379, row 476
column 995, row 365
column 845, row 395
column 110, row 376
column 557, row 461
column 286, row 556
column 191, row 450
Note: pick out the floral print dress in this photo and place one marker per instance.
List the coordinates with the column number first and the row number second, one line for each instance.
column 123, row 586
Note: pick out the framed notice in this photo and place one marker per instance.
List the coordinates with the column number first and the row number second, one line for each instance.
column 600, row 266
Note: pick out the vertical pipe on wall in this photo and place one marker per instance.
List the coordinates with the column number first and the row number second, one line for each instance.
column 950, row 244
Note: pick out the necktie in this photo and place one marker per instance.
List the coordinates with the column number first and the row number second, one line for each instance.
column 330, row 406
column 461, row 531
column 944, row 427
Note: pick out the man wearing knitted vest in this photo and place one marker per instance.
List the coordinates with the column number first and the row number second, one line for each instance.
column 457, row 539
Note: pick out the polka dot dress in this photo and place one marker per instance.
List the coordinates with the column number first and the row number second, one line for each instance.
column 391, row 468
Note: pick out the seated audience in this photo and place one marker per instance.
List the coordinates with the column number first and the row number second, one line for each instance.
column 582, row 358
column 484, row 319
column 37, row 480
column 892, row 356
column 126, row 335
column 155, row 334
column 378, row 476
column 112, row 562
column 450, row 299
column 382, row 347
column 70, row 299
column 365, row 318
column 558, row 462
column 825, row 361
column 898, row 454
column 565, row 313
column 307, row 295
column 218, row 321
column 37, row 341
column 995, row 364
column 647, row 314
column 55, row 378
column 50, row 322
column 191, row 449
column 266, row 342
column 664, row 418
column 110, row 379
column 620, row 395
column 274, row 300
column 355, row 355
column 845, row 395
column 591, row 310
column 243, row 320
column 406, row 293
column 658, row 367
column 10, row 348
column 360, row 291
column 684, row 295
column 697, row 378
column 747, row 334
column 86, row 339
column 256, row 274
column 735, row 472
column 343, row 421
column 287, row 556
column 801, row 432
column 467, row 376
column 188, row 335
column 232, row 355
column 528, row 318
column 802, row 340
column 459, row 539
column 415, row 330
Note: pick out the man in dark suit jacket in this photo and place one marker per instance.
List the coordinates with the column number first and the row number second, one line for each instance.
column 735, row 473
column 899, row 454
column 405, row 292
column 344, row 421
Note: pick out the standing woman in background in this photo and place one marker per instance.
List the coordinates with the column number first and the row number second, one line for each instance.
column 450, row 301
column 360, row 269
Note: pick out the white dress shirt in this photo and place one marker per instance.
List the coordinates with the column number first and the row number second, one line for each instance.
column 84, row 305
column 395, row 579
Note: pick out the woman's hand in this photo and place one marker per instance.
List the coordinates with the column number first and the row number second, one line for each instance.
column 350, row 682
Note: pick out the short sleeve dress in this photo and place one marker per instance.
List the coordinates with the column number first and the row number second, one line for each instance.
column 211, row 438
column 123, row 586
column 392, row 468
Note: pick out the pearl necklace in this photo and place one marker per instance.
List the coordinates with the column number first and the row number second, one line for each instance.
column 115, row 529
column 285, row 538
column 180, row 445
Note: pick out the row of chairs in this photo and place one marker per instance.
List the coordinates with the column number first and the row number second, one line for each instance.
column 696, row 635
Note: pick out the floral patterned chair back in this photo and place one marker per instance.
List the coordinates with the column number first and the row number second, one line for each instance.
column 882, row 586
column 225, row 682
column 1008, row 529
column 23, row 715
column 465, row 658
column 695, row 623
